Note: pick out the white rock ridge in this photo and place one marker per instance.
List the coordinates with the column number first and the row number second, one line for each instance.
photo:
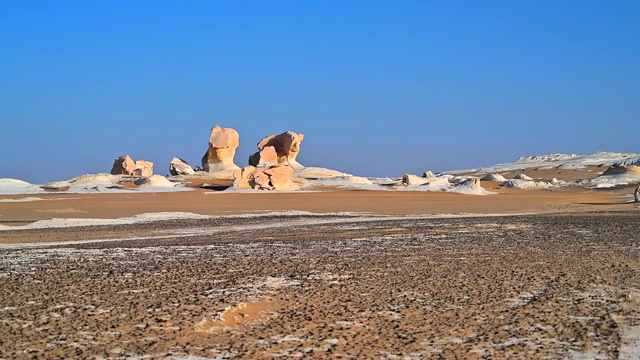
column 560, row 161
column 10, row 186
column 614, row 176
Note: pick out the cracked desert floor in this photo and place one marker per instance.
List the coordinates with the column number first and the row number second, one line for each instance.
column 564, row 284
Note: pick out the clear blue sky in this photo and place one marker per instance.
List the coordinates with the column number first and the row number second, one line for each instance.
column 379, row 88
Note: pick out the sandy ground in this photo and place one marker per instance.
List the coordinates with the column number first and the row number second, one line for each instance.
column 528, row 286
column 208, row 202
column 558, row 278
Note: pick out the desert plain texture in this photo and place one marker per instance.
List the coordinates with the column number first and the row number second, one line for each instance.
column 531, row 274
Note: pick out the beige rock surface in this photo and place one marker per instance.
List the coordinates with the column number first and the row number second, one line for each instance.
column 243, row 178
column 287, row 147
column 280, row 177
column 124, row 165
column 266, row 157
column 223, row 143
column 143, row 168
column 276, row 178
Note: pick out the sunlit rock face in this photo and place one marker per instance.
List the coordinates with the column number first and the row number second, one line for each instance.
column 223, row 143
column 286, row 145
column 124, row 165
column 180, row 167
column 274, row 178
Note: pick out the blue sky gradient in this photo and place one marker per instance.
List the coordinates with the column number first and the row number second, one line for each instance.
column 379, row 88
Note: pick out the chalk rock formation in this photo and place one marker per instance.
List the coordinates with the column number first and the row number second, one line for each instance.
column 555, row 181
column 180, row 167
column 358, row 180
column 527, row 184
column 409, row 179
column 494, row 177
column 287, row 147
column 634, row 161
column 265, row 158
column 469, row 186
column 621, row 169
column 636, row 194
column 416, row 183
column 275, row 178
column 124, row 165
column 428, row 174
column 9, row 186
column 523, row 177
column 223, row 143
column 310, row 172
column 280, row 177
column 154, row 181
column 143, row 168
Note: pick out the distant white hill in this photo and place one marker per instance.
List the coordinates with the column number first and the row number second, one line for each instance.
column 560, row 161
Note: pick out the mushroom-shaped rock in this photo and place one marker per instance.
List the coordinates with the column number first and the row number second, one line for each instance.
column 287, row 146
column 223, row 143
column 636, row 194
column 180, row 167
column 143, row 168
column 124, row 165
column 266, row 157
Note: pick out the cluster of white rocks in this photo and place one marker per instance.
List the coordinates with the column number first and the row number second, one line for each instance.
column 621, row 169
column 274, row 166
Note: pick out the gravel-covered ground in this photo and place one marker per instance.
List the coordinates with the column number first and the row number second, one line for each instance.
column 539, row 286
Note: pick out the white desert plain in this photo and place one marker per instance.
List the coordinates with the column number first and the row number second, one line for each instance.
column 537, row 258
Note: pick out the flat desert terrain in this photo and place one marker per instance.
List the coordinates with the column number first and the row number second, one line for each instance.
column 206, row 202
column 336, row 274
